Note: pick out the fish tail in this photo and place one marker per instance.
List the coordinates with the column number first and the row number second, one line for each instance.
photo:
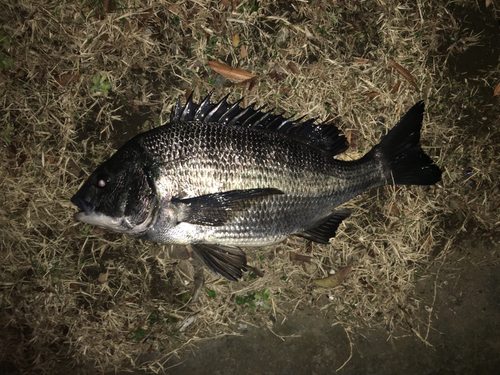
column 402, row 155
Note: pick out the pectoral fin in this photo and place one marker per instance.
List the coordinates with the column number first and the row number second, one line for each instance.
column 325, row 229
column 219, row 208
column 229, row 262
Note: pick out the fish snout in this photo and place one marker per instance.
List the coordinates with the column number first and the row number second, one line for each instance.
column 83, row 205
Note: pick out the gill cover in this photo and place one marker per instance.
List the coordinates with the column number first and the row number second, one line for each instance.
column 121, row 194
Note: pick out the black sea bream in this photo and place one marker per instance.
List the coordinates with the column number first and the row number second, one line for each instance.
column 218, row 176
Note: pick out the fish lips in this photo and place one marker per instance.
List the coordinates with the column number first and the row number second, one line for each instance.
column 83, row 205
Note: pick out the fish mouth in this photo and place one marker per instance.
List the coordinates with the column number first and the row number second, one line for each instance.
column 83, row 205
column 78, row 216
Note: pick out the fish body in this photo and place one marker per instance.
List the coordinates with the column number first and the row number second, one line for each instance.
column 217, row 177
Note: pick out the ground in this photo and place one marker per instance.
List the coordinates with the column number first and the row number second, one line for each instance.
column 461, row 299
column 464, row 296
column 78, row 79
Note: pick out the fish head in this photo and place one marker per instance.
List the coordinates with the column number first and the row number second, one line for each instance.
column 120, row 195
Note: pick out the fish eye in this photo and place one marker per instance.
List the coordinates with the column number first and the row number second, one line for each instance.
column 102, row 180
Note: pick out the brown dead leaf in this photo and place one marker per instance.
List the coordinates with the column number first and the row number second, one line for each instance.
column 243, row 52
column 248, row 83
column 359, row 60
column 41, row 289
column 12, row 150
column 174, row 9
column 199, row 280
column 285, row 89
column 497, row 90
column 316, row 68
column 405, row 73
column 352, row 137
column 252, row 83
column 278, row 77
column 188, row 93
column 236, row 39
column 187, row 44
column 293, row 68
column 14, row 156
column 98, row 230
column 309, row 248
column 427, row 244
column 128, row 26
column 103, row 277
column 372, row 95
column 329, row 119
column 242, row 83
column 147, row 14
column 393, row 209
column 302, row 258
column 394, row 89
column 335, row 280
column 108, row 5
column 65, row 79
column 487, row 3
column 20, row 73
column 227, row 71
column 395, row 227
column 256, row 271
column 234, row 3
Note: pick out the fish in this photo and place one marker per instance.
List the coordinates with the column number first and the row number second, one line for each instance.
column 218, row 177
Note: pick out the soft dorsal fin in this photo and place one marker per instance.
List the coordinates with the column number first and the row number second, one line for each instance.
column 322, row 136
column 326, row 229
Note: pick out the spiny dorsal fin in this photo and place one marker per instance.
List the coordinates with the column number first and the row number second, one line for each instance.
column 322, row 136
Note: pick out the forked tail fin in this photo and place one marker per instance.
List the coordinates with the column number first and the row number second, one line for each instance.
column 400, row 148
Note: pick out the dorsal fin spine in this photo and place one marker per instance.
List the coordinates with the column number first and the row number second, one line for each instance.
column 241, row 117
column 203, row 108
column 175, row 114
column 187, row 113
column 221, row 107
column 322, row 136
column 231, row 112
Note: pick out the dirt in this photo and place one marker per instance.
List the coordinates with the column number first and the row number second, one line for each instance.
column 463, row 339
column 462, row 295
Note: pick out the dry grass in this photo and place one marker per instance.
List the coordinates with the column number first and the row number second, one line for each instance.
column 106, row 301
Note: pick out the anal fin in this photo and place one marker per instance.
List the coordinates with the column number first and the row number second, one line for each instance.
column 229, row 262
column 327, row 228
